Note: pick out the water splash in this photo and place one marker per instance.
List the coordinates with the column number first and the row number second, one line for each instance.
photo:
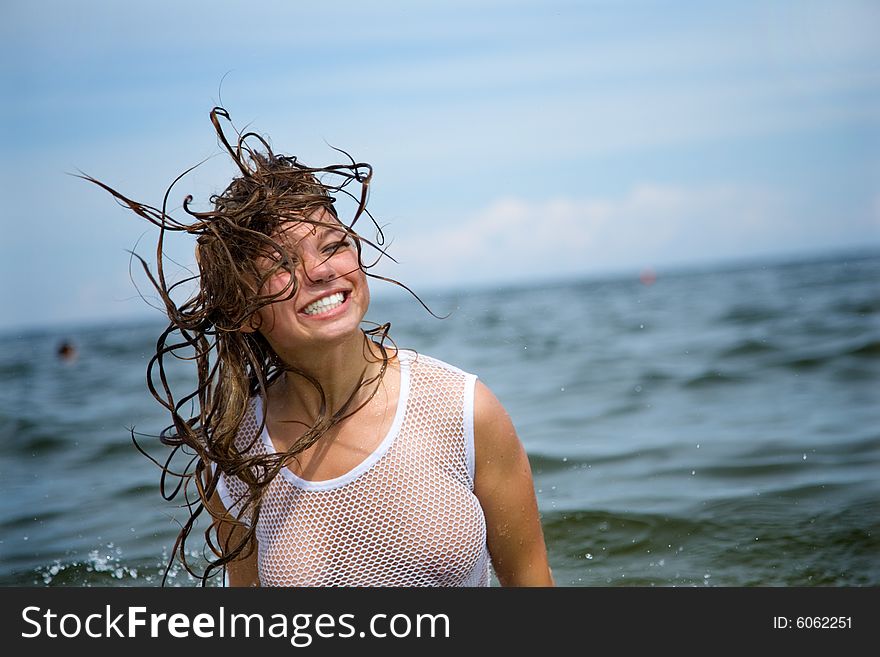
column 107, row 559
column 109, row 562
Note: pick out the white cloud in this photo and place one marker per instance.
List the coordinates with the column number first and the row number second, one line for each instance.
column 653, row 224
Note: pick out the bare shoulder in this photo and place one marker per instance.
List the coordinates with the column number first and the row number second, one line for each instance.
column 494, row 433
column 503, row 485
column 499, row 454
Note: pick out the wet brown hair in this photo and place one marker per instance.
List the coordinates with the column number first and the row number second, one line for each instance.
column 234, row 365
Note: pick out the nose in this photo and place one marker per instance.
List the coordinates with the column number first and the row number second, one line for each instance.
column 318, row 268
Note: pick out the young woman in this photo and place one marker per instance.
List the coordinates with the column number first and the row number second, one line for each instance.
column 326, row 455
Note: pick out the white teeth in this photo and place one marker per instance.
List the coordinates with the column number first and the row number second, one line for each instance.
column 326, row 303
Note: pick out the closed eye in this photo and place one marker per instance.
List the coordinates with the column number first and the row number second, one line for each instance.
column 335, row 246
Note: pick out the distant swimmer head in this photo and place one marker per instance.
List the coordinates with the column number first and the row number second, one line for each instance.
column 66, row 351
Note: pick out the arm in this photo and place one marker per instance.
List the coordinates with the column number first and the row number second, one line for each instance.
column 503, row 484
column 243, row 570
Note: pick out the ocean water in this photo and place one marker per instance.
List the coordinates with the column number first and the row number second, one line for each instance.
column 712, row 428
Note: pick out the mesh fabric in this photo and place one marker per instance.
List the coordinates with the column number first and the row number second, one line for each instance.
column 405, row 516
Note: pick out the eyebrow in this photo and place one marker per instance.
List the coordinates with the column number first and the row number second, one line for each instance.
column 323, row 230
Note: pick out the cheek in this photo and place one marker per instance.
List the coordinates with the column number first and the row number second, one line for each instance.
column 366, row 290
column 360, row 279
column 277, row 285
column 266, row 321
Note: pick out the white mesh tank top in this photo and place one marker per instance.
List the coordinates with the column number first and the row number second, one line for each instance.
column 405, row 516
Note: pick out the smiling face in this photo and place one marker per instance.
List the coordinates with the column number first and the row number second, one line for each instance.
column 331, row 296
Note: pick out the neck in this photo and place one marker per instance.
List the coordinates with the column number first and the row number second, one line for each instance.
column 337, row 369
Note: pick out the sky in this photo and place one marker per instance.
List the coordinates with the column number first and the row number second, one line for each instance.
column 515, row 141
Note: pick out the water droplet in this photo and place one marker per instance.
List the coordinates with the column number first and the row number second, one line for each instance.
column 698, row 445
column 565, row 459
column 638, row 388
column 588, row 556
column 562, row 389
column 693, row 472
column 805, row 456
column 641, row 326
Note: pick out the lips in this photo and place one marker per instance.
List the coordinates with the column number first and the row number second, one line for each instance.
column 325, row 303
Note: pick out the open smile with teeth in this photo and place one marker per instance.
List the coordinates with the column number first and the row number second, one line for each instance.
column 324, row 304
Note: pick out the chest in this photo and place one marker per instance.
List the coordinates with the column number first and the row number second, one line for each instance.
column 346, row 444
column 401, row 523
